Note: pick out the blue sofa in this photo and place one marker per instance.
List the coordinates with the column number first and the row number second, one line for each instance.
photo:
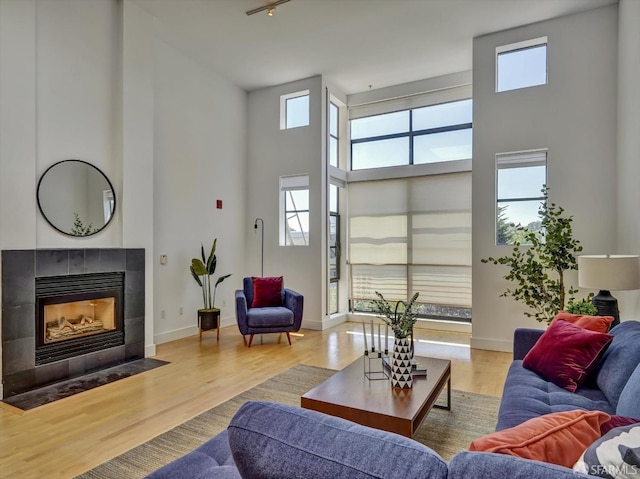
column 613, row 387
column 277, row 441
column 269, row 440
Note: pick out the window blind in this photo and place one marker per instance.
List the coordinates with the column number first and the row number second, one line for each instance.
column 412, row 234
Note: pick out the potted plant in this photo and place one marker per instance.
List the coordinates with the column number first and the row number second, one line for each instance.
column 202, row 270
column 538, row 262
column 400, row 319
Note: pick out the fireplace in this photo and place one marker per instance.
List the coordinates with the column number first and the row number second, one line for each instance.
column 78, row 314
column 39, row 347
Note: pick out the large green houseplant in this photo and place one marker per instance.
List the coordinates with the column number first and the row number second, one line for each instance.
column 538, row 262
column 202, row 270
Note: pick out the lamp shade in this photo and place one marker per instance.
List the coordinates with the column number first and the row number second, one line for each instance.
column 609, row 272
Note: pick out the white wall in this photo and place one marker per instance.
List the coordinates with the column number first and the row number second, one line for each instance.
column 574, row 116
column 273, row 153
column 17, row 124
column 135, row 142
column 78, row 54
column 628, row 144
column 200, row 157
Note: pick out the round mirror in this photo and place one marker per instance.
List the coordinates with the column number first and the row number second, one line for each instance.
column 76, row 198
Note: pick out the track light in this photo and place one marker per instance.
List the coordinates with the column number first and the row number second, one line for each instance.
column 270, row 8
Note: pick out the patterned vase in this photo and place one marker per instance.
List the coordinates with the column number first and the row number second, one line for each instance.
column 401, row 364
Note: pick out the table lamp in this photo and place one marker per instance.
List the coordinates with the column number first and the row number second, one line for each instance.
column 615, row 272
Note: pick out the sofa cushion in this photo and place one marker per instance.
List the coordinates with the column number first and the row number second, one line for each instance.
column 619, row 361
column 600, row 324
column 629, row 402
column 266, row 292
column 269, row 317
column 557, row 438
column 566, row 353
column 527, row 395
column 616, row 454
column 278, row 440
column 485, row 465
column 211, row 459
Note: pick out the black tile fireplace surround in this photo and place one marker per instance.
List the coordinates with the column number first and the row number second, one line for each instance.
column 20, row 268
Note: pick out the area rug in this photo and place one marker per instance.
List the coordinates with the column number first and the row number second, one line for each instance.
column 446, row 432
column 63, row 389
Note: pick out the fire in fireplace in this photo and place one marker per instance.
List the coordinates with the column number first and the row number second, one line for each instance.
column 78, row 318
column 78, row 314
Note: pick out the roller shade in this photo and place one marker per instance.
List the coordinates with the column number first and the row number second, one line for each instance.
column 412, row 234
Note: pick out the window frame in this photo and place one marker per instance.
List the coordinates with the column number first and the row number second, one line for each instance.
column 335, row 137
column 519, row 47
column 410, row 134
column 518, row 159
column 284, row 111
column 288, row 184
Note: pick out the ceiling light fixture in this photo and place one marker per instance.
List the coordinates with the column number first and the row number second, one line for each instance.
column 270, row 8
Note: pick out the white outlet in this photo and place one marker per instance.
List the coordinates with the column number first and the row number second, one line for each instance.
column 224, row 303
column 163, row 314
column 180, row 310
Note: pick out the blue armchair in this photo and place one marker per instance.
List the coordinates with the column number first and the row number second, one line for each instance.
column 271, row 319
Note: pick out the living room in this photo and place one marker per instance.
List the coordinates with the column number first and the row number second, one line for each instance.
column 106, row 91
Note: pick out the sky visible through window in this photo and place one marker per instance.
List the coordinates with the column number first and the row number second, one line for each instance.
column 298, row 111
column 522, row 68
column 520, row 183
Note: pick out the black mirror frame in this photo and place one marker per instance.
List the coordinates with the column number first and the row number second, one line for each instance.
column 113, row 212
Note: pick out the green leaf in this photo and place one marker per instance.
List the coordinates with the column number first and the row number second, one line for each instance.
column 222, row 278
column 211, row 261
column 198, row 267
column 195, row 276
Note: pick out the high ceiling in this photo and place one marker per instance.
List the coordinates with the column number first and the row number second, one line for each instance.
column 356, row 44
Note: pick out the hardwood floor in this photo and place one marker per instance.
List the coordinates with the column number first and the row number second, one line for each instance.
column 69, row 436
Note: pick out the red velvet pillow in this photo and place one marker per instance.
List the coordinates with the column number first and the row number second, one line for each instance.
column 600, row 324
column 266, row 292
column 617, row 421
column 566, row 353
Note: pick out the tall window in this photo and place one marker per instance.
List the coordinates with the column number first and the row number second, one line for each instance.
column 412, row 235
column 520, row 179
column 294, row 207
column 334, row 248
column 294, row 110
column 333, row 134
column 521, row 65
column 429, row 134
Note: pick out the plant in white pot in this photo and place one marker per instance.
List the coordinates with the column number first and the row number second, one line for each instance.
column 400, row 319
column 202, row 270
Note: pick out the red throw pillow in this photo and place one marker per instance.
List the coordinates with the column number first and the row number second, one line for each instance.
column 617, row 421
column 556, row 438
column 566, row 353
column 600, row 324
column 266, row 292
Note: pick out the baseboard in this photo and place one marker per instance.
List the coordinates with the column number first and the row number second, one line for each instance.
column 326, row 323
column 149, row 350
column 492, row 344
column 188, row 331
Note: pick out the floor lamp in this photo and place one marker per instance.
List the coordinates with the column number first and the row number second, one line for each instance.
column 613, row 272
column 255, row 227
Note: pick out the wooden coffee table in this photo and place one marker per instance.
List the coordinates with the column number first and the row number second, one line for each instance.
column 350, row 395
